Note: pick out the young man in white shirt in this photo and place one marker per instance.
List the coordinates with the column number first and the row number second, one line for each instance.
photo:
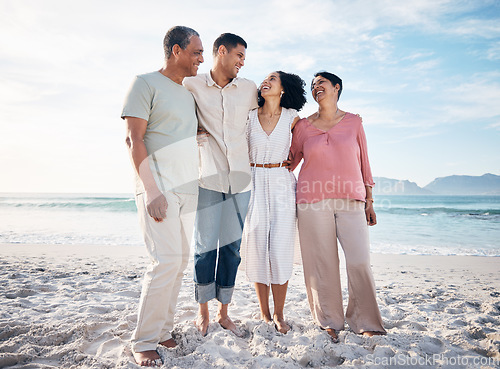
column 223, row 101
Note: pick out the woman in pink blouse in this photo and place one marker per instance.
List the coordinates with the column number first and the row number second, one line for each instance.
column 334, row 201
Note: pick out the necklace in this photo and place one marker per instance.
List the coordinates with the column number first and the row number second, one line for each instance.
column 335, row 117
column 269, row 120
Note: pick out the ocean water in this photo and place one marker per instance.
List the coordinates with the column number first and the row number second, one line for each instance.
column 69, row 219
column 438, row 225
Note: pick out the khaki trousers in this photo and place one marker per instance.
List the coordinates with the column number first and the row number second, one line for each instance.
column 320, row 225
column 168, row 246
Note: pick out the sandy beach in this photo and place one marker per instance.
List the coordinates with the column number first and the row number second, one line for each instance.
column 75, row 307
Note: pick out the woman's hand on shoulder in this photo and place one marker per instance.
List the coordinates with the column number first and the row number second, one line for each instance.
column 202, row 136
column 296, row 119
column 312, row 117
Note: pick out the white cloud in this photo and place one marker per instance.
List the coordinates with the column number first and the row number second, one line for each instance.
column 301, row 62
column 405, row 137
column 493, row 52
column 484, row 28
column 375, row 112
column 425, row 65
column 418, row 55
column 495, row 125
column 473, row 100
column 66, row 65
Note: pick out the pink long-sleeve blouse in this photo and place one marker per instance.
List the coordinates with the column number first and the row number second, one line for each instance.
column 336, row 162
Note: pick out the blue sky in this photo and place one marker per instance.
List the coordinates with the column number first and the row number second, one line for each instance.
column 423, row 74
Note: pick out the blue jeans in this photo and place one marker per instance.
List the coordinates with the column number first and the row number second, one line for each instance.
column 219, row 225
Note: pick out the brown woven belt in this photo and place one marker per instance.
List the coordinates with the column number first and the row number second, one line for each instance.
column 277, row 165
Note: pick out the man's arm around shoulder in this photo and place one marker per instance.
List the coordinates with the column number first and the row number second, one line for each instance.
column 192, row 82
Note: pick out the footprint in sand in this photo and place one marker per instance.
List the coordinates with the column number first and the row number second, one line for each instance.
column 12, row 359
column 483, row 319
column 474, row 304
column 8, row 331
column 410, row 325
column 491, row 309
column 454, row 311
column 20, row 293
column 476, row 333
column 383, row 351
column 395, row 313
column 431, row 345
column 389, row 300
column 265, row 330
column 458, row 323
column 331, row 360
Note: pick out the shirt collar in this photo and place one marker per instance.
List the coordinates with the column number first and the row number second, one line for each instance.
column 211, row 82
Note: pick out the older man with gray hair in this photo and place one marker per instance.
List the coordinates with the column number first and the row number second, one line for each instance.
column 161, row 137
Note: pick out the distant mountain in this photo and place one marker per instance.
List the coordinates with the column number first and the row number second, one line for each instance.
column 487, row 184
column 389, row 186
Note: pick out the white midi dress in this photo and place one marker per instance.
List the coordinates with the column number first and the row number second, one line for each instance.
column 270, row 227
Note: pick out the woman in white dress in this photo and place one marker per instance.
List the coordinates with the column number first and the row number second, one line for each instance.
column 271, row 219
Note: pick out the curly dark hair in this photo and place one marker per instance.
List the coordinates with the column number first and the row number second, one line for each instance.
column 294, row 96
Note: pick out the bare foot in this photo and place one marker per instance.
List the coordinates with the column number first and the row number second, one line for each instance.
column 266, row 318
column 148, row 358
column 280, row 324
column 332, row 334
column 170, row 343
column 228, row 324
column 202, row 324
column 372, row 333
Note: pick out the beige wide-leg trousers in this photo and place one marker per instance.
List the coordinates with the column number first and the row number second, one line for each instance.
column 168, row 246
column 320, row 225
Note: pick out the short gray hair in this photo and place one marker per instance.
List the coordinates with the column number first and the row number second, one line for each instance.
column 178, row 35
